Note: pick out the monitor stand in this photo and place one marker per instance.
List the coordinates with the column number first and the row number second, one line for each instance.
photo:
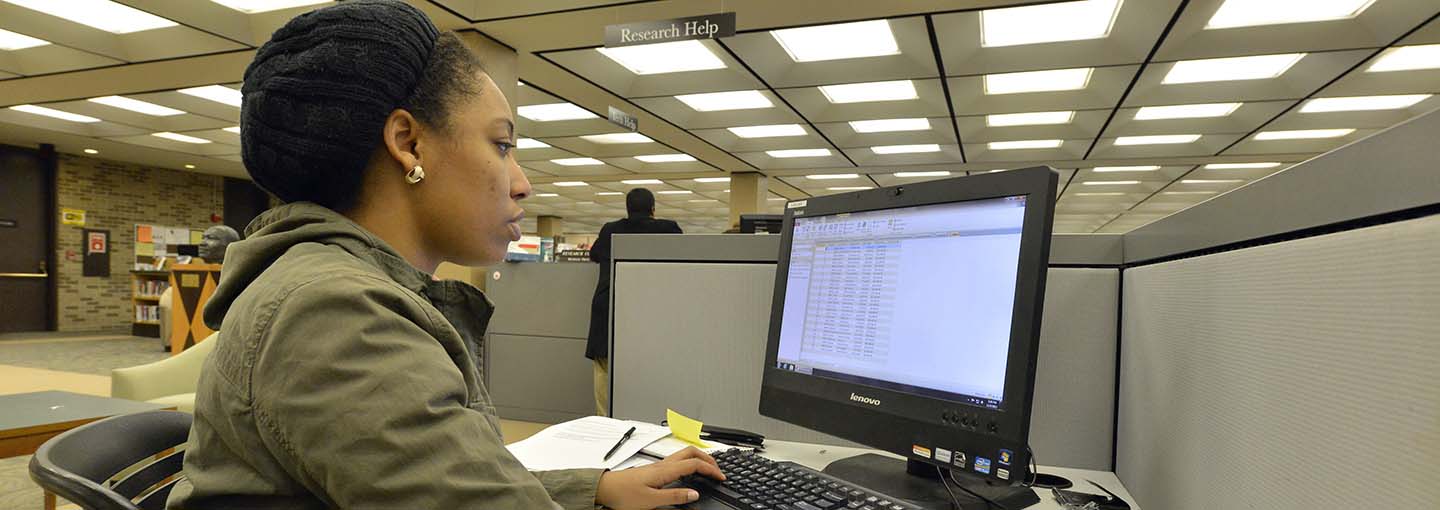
column 919, row 483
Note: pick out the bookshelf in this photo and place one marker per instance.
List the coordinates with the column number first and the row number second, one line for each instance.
column 145, row 290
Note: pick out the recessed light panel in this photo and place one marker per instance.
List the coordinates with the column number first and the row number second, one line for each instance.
column 1029, row 119
column 554, row 112
column 48, row 112
column 665, row 158
column 1362, row 103
column 1025, row 144
column 577, row 161
column 1407, row 58
column 1038, row 81
column 1186, row 111
column 105, row 15
column 662, row 58
column 1239, row 166
column 641, row 182
column 1258, row 67
column 1067, row 21
column 125, row 103
column 217, row 93
column 770, row 131
column 1251, row 13
column 180, row 138
column 609, row 193
column 233, row 129
column 10, row 41
column 905, row 149
column 530, row 143
column 254, row 6
column 570, row 184
column 1156, row 139
column 616, row 138
column 712, row 179
column 907, row 175
column 546, row 195
column 799, row 153
column 722, row 101
column 870, row 92
column 1298, row 134
column 835, row 42
column 889, row 125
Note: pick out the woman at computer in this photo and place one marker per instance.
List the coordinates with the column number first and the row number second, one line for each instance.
column 344, row 374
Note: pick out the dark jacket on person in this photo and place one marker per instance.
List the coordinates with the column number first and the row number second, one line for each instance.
column 344, row 377
column 598, row 345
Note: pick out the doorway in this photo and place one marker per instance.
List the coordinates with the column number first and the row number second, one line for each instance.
column 26, row 231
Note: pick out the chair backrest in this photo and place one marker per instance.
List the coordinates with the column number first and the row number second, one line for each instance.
column 76, row 465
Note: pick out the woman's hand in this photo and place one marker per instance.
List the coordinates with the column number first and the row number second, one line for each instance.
column 640, row 487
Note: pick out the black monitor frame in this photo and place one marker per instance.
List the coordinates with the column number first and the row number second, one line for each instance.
column 902, row 423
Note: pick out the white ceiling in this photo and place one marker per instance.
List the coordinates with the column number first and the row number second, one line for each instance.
column 939, row 51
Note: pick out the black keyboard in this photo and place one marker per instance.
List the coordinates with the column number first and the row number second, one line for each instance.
column 757, row 483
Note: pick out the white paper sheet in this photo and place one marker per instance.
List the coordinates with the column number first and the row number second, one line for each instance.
column 582, row 443
column 669, row 446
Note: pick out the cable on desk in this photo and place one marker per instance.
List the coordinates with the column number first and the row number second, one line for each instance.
column 953, row 499
column 1034, row 467
column 987, row 501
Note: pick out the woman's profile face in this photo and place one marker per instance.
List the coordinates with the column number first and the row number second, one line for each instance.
column 473, row 185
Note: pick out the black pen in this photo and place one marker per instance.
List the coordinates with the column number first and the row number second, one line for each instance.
column 622, row 440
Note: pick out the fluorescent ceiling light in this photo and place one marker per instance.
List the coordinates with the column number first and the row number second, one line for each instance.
column 1303, row 133
column 553, row 112
column 1109, row 183
column 721, row 101
column 769, row 131
column 233, row 129
column 870, row 92
column 712, row 179
column 1360, row 103
column 1251, row 13
column 834, row 42
column 825, row 177
column 577, row 161
column 1407, row 58
column 1101, row 194
column 1140, row 168
column 105, row 15
column 609, row 193
column 547, row 195
column 940, row 173
column 1038, row 81
column 637, row 182
column 1068, row 21
column 570, row 184
column 798, row 153
column 1025, row 144
column 1029, row 119
column 91, row 151
column 530, row 143
column 254, row 6
column 216, row 93
column 1238, row 166
column 1186, row 111
column 905, row 149
column 661, row 58
column 888, row 125
column 665, row 158
column 776, row 198
column 41, row 110
column 849, row 188
column 133, row 105
column 675, row 192
column 191, row 167
column 617, row 138
column 1259, row 67
column 1155, row 139
column 10, row 41
column 1211, row 181
column 179, row 137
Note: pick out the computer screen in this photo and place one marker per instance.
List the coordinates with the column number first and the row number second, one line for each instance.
column 916, row 299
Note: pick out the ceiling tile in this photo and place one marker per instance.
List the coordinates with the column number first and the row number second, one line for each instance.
column 1308, row 146
column 864, row 156
column 844, row 135
column 609, row 74
column 680, row 114
column 1244, row 119
column 1308, row 75
column 1376, row 26
column 1104, row 89
column 1085, row 124
column 1068, row 150
column 1207, row 145
column 1133, row 33
column 763, row 53
column 811, row 103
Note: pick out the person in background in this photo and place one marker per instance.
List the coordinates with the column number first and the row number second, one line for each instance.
column 640, row 208
column 345, row 375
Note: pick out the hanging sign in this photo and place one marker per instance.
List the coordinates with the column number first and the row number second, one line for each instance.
column 709, row 26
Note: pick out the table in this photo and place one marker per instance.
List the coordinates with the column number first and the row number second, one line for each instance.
column 27, row 420
column 817, row 456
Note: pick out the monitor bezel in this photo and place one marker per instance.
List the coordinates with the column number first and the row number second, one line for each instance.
column 903, row 421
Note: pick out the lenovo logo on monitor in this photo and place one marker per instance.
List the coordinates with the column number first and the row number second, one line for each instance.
column 864, row 400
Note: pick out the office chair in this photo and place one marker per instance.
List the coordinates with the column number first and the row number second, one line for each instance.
column 76, row 465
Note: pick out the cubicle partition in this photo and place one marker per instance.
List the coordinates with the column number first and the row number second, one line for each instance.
column 691, row 315
column 534, row 356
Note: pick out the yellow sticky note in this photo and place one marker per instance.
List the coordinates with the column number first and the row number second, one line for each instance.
column 144, row 250
column 196, row 237
column 685, row 428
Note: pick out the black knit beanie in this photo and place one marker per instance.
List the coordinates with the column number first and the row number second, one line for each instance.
column 317, row 95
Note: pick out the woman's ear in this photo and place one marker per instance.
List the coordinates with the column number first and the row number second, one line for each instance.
column 401, row 138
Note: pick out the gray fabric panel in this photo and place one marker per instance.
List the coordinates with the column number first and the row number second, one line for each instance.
column 540, row 378
column 542, row 299
column 1074, row 409
column 1298, row 375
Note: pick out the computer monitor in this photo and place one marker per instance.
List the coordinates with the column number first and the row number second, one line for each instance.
column 907, row 319
column 761, row 223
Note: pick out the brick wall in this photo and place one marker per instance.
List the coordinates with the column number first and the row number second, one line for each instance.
column 116, row 196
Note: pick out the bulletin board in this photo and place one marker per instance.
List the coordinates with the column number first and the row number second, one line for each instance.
column 155, row 245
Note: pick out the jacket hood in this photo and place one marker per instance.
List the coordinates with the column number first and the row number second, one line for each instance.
column 275, row 231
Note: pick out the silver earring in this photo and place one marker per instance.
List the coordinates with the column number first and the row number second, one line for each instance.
column 415, row 175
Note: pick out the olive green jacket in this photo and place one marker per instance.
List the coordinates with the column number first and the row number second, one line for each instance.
column 346, row 378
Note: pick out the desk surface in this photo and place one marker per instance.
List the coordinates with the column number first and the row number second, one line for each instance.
column 26, row 412
column 817, row 456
